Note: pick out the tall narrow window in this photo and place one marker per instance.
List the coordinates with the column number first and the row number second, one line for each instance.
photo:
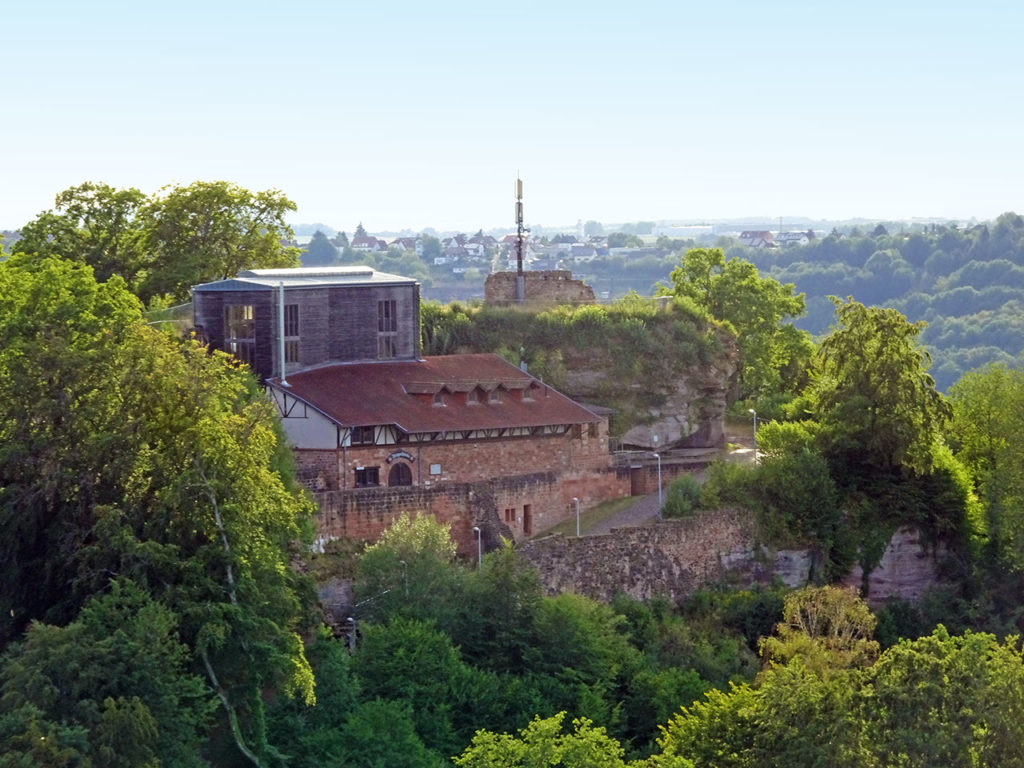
column 387, row 328
column 240, row 332
column 291, row 333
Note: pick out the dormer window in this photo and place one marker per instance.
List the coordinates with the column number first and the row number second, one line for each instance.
column 472, row 398
column 494, row 396
column 362, row 436
column 439, row 398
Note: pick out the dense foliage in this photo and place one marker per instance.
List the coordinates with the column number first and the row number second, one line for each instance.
column 966, row 283
column 637, row 351
column 143, row 492
column 162, row 245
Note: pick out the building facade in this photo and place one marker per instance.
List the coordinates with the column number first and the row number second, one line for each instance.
column 305, row 317
column 376, row 430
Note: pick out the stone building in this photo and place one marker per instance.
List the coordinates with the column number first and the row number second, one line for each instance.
column 377, row 430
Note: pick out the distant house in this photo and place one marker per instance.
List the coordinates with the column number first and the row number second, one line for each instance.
column 404, row 243
column 793, row 238
column 757, row 239
column 581, row 254
column 368, row 244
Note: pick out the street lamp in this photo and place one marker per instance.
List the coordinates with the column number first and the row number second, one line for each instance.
column 658, row 457
column 751, row 410
column 479, row 547
column 577, row 503
column 660, row 502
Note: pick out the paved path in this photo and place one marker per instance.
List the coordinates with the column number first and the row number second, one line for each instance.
column 645, row 509
column 641, row 512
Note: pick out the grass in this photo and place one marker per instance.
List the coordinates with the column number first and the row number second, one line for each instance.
column 592, row 517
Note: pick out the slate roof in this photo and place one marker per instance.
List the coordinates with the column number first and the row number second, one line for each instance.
column 402, row 393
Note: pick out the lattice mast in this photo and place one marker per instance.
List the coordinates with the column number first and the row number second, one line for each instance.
column 520, row 239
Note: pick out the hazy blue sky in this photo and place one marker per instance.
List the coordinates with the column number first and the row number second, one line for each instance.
column 416, row 114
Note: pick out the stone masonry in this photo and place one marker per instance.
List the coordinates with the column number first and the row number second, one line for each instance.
column 554, row 286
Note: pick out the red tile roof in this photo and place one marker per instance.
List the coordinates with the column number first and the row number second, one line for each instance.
column 402, row 393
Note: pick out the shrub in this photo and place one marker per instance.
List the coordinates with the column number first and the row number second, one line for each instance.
column 682, row 498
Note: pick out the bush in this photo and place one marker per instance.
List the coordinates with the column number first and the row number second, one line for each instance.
column 682, row 498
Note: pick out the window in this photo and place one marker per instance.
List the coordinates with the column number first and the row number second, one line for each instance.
column 400, row 474
column 510, row 514
column 367, row 477
column 471, row 397
column 385, row 346
column 291, row 333
column 240, row 332
column 387, row 329
column 494, row 396
column 291, row 320
column 362, row 436
column 386, row 319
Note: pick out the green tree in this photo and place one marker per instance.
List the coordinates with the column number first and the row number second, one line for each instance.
column 94, row 224
column 320, row 251
column 827, row 627
column 128, row 452
column 360, row 231
column 212, row 230
column 120, row 673
column 947, row 700
column 624, row 240
column 877, row 406
column 987, row 430
column 731, row 291
column 341, row 240
column 542, row 744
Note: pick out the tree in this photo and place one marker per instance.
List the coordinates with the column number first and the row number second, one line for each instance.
column 123, row 676
column 360, row 231
column 987, row 430
column 94, row 224
column 731, row 291
column 542, row 744
column 341, row 241
column 877, row 405
column 126, row 452
column 210, row 231
column 947, row 700
column 828, row 627
column 592, row 228
column 320, row 251
column 624, row 240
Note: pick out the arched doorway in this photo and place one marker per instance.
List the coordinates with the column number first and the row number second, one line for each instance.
column 400, row 474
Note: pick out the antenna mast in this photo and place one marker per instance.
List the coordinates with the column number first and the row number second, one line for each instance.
column 520, row 231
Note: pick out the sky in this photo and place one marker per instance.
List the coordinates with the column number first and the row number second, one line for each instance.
column 408, row 115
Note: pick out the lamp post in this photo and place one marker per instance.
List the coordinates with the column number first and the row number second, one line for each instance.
column 577, row 503
column 479, row 547
column 660, row 502
column 751, row 410
column 658, row 457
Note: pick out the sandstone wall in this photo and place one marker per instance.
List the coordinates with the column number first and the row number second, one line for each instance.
column 672, row 558
column 507, row 507
column 554, row 286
